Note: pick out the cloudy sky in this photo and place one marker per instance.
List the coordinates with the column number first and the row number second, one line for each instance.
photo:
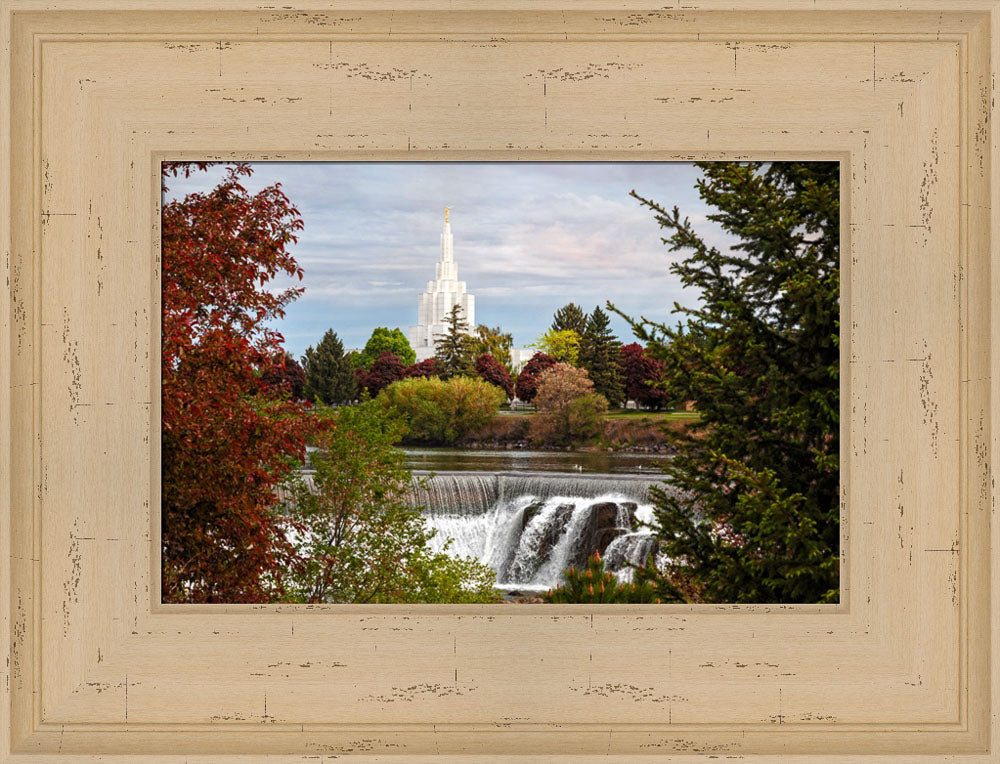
column 529, row 237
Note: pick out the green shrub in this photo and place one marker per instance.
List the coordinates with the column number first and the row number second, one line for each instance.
column 596, row 585
column 585, row 416
column 441, row 412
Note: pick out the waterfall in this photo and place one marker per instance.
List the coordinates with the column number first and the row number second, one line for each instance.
column 477, row 492
column 629, row 549
column 530, row 527
column 467, row 493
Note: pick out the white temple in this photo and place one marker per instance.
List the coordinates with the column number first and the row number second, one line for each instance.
column 442, row 294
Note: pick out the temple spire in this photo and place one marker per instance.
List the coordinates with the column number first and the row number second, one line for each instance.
column 442, row 294
column 450, row 270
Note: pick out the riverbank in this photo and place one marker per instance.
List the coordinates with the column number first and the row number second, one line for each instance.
column 622, row 431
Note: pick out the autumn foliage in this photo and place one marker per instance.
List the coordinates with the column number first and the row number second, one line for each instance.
column 427, row 368
column 287, row 375
column 385, row 370
column 230, row 430
column 644, row 377
column 490, row 370
column 568, row 409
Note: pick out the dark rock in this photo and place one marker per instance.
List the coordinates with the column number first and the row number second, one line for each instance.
column 605, row 536
column 554, row 530
column 530, row 512
column 603, row 526
column 605, row 514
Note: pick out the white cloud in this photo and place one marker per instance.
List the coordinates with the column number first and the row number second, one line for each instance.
column 529, row 237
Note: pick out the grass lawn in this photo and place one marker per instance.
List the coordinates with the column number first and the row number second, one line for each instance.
column 653, row 416
column 659, row 416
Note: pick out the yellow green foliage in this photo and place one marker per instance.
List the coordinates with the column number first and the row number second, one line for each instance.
column 440, row 412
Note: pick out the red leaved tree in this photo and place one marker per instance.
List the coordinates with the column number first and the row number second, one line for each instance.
column 286, row 376
column 228, row 438
column 489, row 369
column 385, row 370
column 430, row 367
column 642, row 374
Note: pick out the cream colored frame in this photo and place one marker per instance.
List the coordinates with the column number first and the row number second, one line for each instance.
column 901, row 92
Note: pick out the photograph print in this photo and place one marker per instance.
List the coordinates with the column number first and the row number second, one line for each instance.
column 512, row 383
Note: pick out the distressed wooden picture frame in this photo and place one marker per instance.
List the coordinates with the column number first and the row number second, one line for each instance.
column 900, row 92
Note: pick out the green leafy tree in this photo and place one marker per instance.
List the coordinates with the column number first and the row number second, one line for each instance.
column 455, row 347
column 495, row 342
column 595, row 585
column 330, row 377
column 385, row 340
column 570, row 317
column 359, row 539
column 754, row 511
column 563, row 345
column 585, row 417
column 440, row 412
column 600, row 355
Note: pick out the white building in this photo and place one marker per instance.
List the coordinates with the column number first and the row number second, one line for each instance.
column 443, row 293
column 520, row 356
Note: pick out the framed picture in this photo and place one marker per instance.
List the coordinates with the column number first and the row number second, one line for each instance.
column 898, row 666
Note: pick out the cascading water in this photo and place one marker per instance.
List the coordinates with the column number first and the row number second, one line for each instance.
column 631, row 550
column 530, row 527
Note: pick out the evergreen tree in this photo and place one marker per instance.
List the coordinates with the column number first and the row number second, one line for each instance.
column 570, row 318
column 753, row 515
column 600, row 355
column 455, row 347
column 330, row 377
column 595, row 585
